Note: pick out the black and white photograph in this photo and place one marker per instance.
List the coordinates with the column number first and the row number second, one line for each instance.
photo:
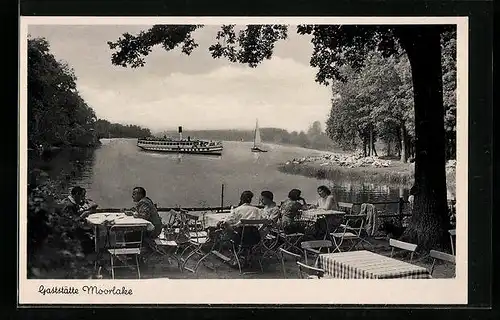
column 289, row 153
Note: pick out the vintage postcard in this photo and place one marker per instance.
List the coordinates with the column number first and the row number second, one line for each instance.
column 210, row 160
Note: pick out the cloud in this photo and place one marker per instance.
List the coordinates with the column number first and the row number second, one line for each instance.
column 280, row 92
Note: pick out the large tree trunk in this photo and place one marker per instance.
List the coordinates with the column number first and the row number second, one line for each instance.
column 398, row 145
column 404, row 143
column 364, row 146
column 370, row 143
column 429, row 223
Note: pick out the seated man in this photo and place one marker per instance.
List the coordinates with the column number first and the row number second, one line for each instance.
column 244, row 211
column 73, row 216
column 145, row 209
column 88, row 206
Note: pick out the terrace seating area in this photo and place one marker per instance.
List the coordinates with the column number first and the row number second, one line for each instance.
column 194, row 244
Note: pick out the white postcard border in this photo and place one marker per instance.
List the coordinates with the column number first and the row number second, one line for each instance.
column 253, row 291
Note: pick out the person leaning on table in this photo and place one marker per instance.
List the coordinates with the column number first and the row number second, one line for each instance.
column 291, row 210
column 326, row 201
column 72, row 214
column 145, row 209
column 87, row 206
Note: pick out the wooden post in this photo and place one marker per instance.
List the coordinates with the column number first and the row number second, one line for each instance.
column 222, row 197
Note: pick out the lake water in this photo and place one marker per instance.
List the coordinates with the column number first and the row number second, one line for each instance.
column 110, row 172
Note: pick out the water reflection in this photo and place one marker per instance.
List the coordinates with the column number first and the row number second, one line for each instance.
column 111, row 171
column 67, row 166
column 256, row 156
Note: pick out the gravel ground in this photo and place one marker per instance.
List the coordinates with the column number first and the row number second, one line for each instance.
column 160, row 267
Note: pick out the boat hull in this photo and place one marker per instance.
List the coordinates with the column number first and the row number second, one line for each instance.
column 204, row 151
column 258, row 150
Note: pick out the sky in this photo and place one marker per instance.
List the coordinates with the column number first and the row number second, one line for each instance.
column 196, row 91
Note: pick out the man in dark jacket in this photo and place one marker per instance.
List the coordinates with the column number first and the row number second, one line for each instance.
column 146, row 209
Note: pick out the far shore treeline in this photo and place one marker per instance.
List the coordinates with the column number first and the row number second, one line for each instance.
column 314, row 138
column 58, row 116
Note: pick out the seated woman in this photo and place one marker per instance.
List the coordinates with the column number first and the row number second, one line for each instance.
column 271, row 210
column 244, row 211
column 290, row 211
column 326, row 200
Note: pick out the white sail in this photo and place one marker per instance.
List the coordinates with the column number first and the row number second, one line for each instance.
column 256, row 139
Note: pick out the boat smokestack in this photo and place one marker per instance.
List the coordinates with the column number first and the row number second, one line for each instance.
column 180, row 132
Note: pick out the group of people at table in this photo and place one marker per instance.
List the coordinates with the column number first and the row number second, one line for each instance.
column 285, row 215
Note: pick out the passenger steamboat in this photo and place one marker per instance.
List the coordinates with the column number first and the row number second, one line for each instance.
column 180, row 145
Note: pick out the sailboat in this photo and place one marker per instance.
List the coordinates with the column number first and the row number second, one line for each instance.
column 256, row 139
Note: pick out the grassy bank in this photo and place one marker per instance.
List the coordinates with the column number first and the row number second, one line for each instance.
column 397, row 174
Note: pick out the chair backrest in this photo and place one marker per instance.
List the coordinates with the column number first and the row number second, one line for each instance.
column 285, row 253
column 402, row 245
column 316, row 244
column 438, row 255
column 355, row 223
column 261, row 225
column 194, row 220
column 345, row 206
column 305, row 269
column 253, row 222
column 309, row 246
column 366, row 207
column 121, row 231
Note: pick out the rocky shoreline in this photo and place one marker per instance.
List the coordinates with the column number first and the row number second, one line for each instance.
column 332, row 166
column 343, row 160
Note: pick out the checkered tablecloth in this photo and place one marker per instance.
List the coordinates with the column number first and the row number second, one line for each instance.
column 368, row 265
column 313, row 214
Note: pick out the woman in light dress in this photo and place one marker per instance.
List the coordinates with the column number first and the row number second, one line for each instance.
column 326, row 201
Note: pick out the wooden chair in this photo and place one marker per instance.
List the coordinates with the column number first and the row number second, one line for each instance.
column 164, row 247
column 197, row 238
column 127, row 244
column 353, row 230
column 315, row 247
column 345, row 206
column 289, row 241
column 452, row 240
column 437, row 255
column 284, row 253
column 250, row 252
column 308, row 272
column 404, row 246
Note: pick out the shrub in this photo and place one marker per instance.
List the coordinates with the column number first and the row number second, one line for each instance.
column 51, row 245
